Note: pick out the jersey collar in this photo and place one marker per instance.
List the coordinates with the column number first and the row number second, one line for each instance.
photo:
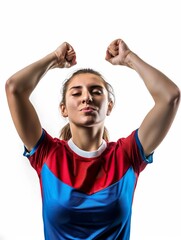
column 87, row 154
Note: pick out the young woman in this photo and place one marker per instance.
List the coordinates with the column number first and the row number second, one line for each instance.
column 87, row 182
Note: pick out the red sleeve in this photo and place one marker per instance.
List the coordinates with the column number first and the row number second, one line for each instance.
column 39, row 154
column 134, row 153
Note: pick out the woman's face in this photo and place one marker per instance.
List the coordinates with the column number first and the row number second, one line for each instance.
column 86, row 100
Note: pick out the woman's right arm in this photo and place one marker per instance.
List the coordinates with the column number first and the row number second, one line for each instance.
column 20, row 86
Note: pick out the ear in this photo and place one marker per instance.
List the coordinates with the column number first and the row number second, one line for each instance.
column 110, row 107
column 63, row 110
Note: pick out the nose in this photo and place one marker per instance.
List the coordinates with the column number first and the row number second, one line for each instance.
column 87, row 97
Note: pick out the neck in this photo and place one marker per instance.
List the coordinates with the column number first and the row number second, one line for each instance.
column 87, row 138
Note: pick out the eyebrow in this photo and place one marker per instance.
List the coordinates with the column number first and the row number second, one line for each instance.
column 92, row 87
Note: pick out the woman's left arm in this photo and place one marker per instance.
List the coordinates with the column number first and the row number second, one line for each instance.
column 164, row 92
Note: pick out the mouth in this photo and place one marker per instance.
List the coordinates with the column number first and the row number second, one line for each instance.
column 88, row 109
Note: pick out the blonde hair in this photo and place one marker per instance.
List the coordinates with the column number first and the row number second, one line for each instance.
column 65, row 133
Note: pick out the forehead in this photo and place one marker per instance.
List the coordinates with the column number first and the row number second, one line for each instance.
column 86, row 80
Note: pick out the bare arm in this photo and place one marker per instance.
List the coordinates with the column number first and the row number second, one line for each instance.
column 164, row 92
column 20, row 86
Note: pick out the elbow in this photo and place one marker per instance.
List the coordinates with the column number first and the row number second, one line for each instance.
column 176, row 95
column 174, row 98
column 11, row 86
column 169, row 98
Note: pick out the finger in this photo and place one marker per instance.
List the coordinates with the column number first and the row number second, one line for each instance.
column 70, row 54
column 70, row 58
column 70, row 61
column 67, row 65
column 69, row 48
column 74, row 60
column 114, row 43
column 113, row 52
column 70, row 64
column 114, row 46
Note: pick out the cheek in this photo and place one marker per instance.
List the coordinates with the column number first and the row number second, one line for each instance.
column 71, row 106
column 104, row 108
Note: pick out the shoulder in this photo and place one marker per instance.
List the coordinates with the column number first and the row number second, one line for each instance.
column 130, row 150
column 45, row 141
column 125, row 142
column 47, row 149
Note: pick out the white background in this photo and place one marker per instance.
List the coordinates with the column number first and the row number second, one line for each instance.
column 31, row 29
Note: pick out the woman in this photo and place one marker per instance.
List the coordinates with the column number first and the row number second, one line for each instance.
column 87, row 182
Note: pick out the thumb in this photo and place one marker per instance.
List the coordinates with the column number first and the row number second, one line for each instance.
column 67, row 64
column 108, row 55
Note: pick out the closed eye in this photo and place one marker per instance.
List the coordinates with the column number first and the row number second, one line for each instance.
column 97, row 91
column 76, row 94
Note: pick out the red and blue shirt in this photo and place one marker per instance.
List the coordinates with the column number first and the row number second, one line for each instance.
column 87, row 195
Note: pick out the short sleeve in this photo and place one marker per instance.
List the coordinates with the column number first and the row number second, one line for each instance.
column 39, row 154
column 147, row 159
column 133, row 152
column 29, row 154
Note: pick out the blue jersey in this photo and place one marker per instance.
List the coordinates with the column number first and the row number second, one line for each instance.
column 87, row 195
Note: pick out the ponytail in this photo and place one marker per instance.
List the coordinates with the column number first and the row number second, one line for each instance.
column 65, row 133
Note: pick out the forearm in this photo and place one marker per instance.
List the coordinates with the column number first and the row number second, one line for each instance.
column 164, row 92
column 25, row 80
column 160, row 86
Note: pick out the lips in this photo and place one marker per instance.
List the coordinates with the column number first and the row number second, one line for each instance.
column 88, row 109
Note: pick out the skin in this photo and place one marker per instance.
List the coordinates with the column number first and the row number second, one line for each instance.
column 86, row 107
column 87, row 125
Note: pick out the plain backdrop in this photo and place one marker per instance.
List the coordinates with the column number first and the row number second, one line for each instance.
column 30, row 30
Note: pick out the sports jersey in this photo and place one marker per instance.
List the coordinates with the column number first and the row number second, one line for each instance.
column 87, row 195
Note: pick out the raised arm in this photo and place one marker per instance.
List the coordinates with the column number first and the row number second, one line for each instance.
column 20, row 86
column 164, row 92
